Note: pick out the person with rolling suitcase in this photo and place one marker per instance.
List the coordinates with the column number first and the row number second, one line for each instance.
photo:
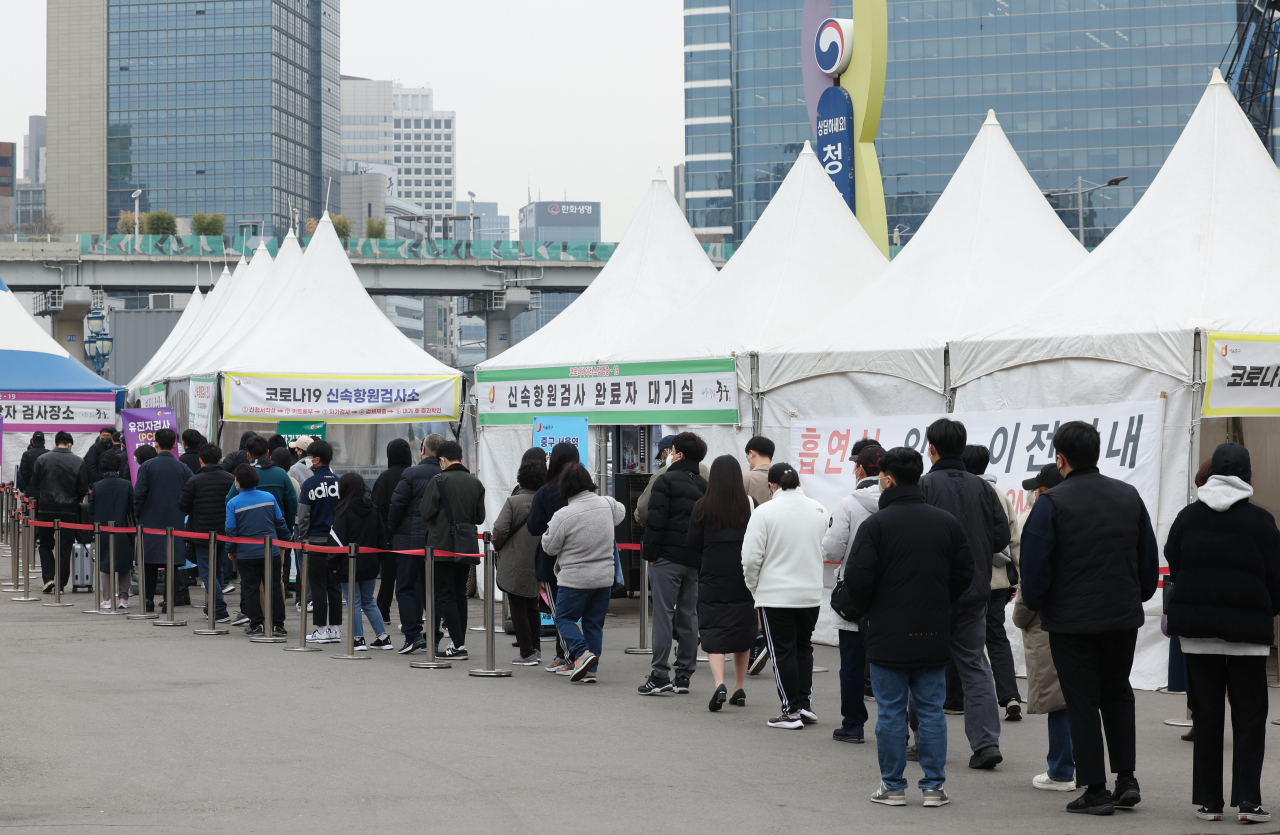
column 111, row 503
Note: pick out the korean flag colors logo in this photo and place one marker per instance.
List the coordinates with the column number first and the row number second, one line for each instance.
column 833, row 45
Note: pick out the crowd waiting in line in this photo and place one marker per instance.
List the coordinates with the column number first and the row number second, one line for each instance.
column 927, row 563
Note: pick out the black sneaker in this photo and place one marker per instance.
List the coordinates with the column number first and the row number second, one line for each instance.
column 986, row 758
column 454, row 652
column 48, row 587
column 788, row 721
column 1013, row 711
column 758, row 660
column 682, row 684
column 1253, row 813
column 151, row 607
column 1204, row 813
column 854, row 735
column 279, row 631
column 382, row 643
column 254, row 630
column 223, row 619
column 1127, row 794
column 655, row 686
column 412, row 645
column 1093, row 803
column 240, row 619
column 359, row 646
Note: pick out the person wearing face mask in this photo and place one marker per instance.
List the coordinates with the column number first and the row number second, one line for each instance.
column 93, row 455
column 301, row 469
column 664, row 459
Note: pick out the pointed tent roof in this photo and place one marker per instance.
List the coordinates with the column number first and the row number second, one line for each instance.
column 148, row 372
column 990, row 233
column 30, row 359
column 806, row 246
column 657, row 260
column 213, row 303
column 361, row 340
column 1199, row 250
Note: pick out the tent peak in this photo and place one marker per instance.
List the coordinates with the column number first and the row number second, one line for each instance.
column 325, row 217
column 1217, row 77
column 991, row 119
column 807, row 149
column 658, row 175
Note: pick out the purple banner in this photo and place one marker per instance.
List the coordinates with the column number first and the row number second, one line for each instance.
column 139, row 429
column 815, row 80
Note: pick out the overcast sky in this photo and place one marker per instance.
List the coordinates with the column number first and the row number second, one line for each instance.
column 570, row 96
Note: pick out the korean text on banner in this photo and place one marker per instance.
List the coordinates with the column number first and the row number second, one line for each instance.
column 685, row 391
column 200, row 391
column 25, row 411
column 152, row 397
column 371, row 399
column 1243, row 372
column 1020, row 442
column 292, row 430
column 140, row 427
column 563, row 429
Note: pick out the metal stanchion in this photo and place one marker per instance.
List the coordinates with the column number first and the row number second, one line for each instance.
column 269, row 580
column 95, row 583
column 490, row 647
column 302, row 607
column 115, row 575
column 212, row 588
column 643, row 648
column 24, row 541
column 168, row 583
column 11, row 528
column 57, row 567
column 429, row 622
column 139, row 557
column 352, row 612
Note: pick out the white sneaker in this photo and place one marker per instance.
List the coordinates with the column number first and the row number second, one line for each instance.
column 334, row 635
column 105, row 605
column 1046, row 783
column 124, row 603
column 320, row 636
column 807, row 716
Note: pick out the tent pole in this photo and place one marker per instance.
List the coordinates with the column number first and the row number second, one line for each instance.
column 947, row 391
column 757, row 419
column 1193, row 431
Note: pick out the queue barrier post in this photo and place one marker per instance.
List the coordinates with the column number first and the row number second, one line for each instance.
column 643, row 647
column 115, row 575
column 269, row 580
column 25, row 542
column 140, row 559
column 212, row 588
column 168, row 583
column 490, row 639
column 429, row 622
column 301, row 597
column 57, row 567
column 15, row 565
column 349, row 643
column 95, row 582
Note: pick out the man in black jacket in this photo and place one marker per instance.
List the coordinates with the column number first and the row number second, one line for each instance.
column 409, row 533
column 241, row 456
column 192, row 441
column 1089, row 561
column 673, row 575
column 977, row 508
column 455, row 493
column 93, row 455
column 908, row 566
column 59, row 481
column 29, row 455
column 399, row 459
column 204, row 502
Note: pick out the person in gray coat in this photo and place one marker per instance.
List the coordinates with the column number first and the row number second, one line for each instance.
column 155, row 505
column 515, row 548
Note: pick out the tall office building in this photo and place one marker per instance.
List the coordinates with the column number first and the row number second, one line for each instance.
column 8, row 166
column 33, row 150
column 490, row 226
column 566, row 220
column 226, row 106
column 708, row 140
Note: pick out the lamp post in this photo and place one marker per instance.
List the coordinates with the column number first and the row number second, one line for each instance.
column 97, row 347
column 1080, row 191
column 137, row 220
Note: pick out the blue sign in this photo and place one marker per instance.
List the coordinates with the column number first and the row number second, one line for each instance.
column 834, row 144
column 549, row 431
column 833, row 45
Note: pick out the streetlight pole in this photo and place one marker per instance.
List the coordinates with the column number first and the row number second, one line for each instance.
column 1080, row 191
column 137, row 219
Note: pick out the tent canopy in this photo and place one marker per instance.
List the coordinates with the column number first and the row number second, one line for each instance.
column 214, row 301
column 30, row 359
column 152, row 372
column 1199, row 250
column 990, row 233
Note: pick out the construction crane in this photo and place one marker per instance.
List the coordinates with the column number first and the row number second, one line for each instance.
column 1252, row 63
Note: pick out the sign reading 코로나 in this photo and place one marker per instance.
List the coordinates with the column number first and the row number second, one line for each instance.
column 140, row 427
column 684, row 391
column 1021, row 442
column 834, row 145
column 26, row 411
column 152, row 397
column 1243, row 371
column 372, row 399
column 200, row 392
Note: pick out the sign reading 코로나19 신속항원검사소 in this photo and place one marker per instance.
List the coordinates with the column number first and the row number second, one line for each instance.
column 683, row 391
column 372, row 399
column 1244, row 375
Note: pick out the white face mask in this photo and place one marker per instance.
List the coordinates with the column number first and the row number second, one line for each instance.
column 305, row 461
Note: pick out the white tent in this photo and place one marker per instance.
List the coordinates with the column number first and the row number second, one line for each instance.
column 166, row 361
column 1197, row 253
column 151, row 372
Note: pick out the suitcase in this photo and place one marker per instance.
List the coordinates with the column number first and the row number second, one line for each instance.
column 82, row 567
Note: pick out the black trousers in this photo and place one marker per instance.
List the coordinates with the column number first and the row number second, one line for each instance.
column 1209, row 679
column 251, row 574
column 788, row 633
column 151, row 578
column 527, row 622
column 410, row 595
column 853, row 657
column 44, row 539
column 451, row 599
column 1094, row 673
column 553, row 591
column 387, row 584
column 327, row 573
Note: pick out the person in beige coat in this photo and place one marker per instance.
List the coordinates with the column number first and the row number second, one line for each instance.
column 1044, row 694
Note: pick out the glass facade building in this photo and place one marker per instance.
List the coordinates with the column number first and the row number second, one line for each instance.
column 708, row 118
column 228, row 106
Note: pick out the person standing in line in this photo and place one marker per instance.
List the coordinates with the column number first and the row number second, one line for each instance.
column 276, row 441
column 58, row 481
column 664, row 458
column 316, row 505
column 453, row 498
column 241, row 455
column 545, row 504
column 254, row 514
column 111, row 503
column 782, row 566
column 272, row 480
column 28, row 462
column 1224, row 568
column 399, row 459
column 192, row 441
column 849, row 515
column 155, row 505
column 1089, row 561
column 516, row 549
column 283, row 461
column 908, row 566
column 673, row 572
column 357, row 522
column 204, row 502
column 949, row 486
column 726, row 610
column 409, row 533
column 759, row 459
column 300, row 469
column 93, row 455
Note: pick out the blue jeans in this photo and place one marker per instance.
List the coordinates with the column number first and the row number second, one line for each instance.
column 1062, row 761
column 588, row 605
column 202, row 563
column 928, row 685
column 852, row 660
column 365, row 602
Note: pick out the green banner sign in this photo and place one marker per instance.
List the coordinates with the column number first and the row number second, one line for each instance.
column 292, row 430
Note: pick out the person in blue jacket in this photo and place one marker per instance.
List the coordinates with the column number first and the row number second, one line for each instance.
column 251, row 513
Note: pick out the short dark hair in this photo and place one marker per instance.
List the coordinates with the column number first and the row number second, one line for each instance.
column 976, row 458
column 451, row 450
column 63, row 438
column 110, row 429
column 904, row 464
column 948, row 437
column 861, row 444
column 110, row 462
column 281, row 458
column 319, row 449
column 276, row 441
column 533, row 469
column 574, row 479
column 690, row 446
column 246, row 476
column 1079, row 443
column 210, row 454
column 784, row 475
column 761, row 446
column 144, row 453
column 192, row 439
column 166, row 438
column 256, row 446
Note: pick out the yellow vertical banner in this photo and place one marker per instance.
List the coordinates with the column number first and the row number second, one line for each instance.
column 864, row 79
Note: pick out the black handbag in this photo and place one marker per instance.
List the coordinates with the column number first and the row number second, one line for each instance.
column 462, row 534
column 842, row 599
